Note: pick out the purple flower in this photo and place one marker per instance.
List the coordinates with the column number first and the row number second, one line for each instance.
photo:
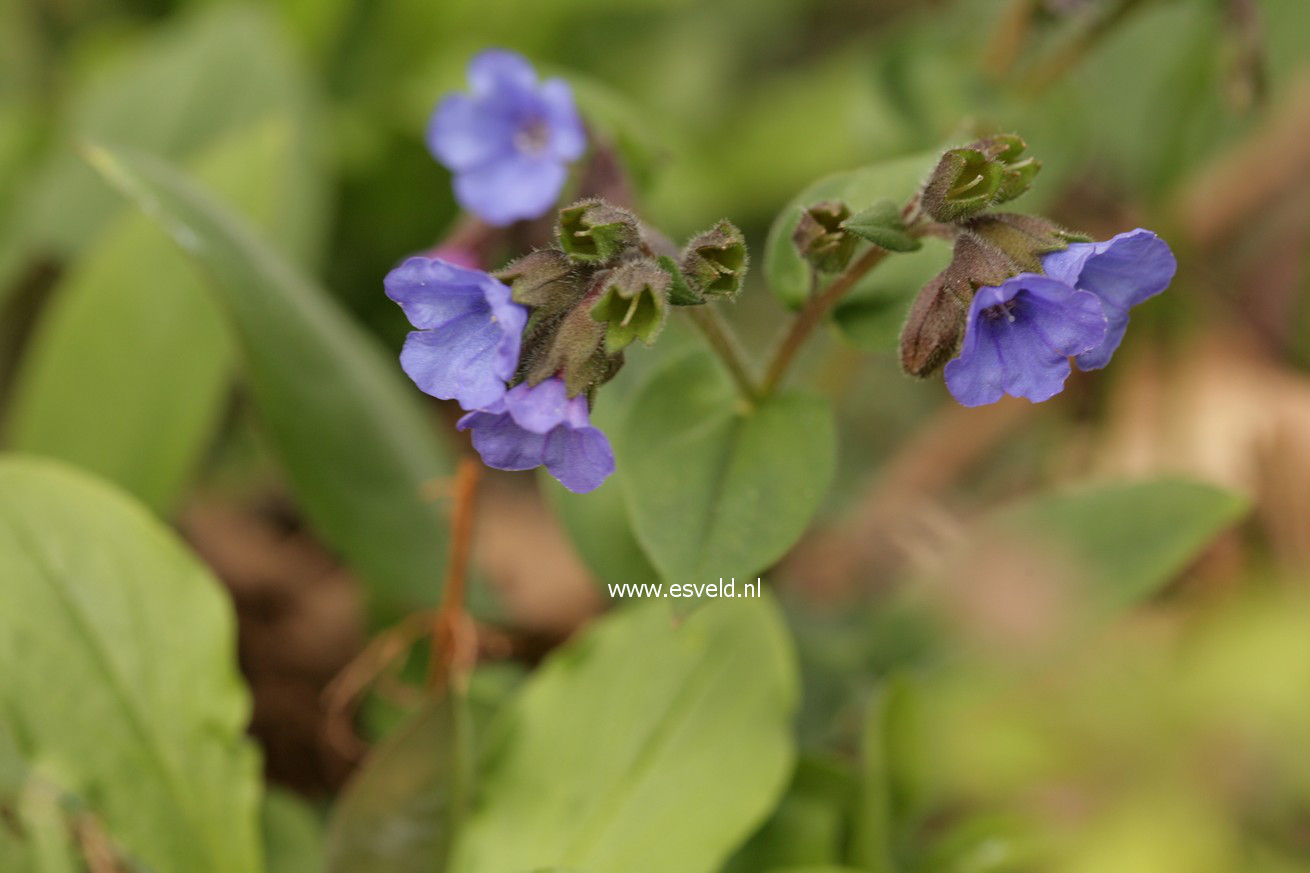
column 509, row 141
column 1121, row 272
column 469, row 330
column 1018, row 339
column 532, row 426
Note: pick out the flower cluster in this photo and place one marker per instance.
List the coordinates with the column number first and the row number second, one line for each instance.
column 467, row 348
column 1020, row 334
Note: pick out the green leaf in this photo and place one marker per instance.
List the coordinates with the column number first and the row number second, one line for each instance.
column 881, row 225
column 118, row 652
column 599, row 528
column 401, row 812
column 896, row 180
column 871, row 316
column 714, row 489
column 346, row 426
column 178, row 92
column 293, row 834
column 644, row 746
column 92, row 391
column 808, row 825
column 1128, row 540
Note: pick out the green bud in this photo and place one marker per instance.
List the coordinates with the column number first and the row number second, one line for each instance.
column 633, row 303
column 596, row 232
column 964, row 183
column 680, row 291
column 882, row 225
column 714, row 262
column 1018, row 178
column 820, row 239
column 1003, row 147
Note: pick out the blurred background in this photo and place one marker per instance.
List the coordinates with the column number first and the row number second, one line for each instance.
column 1031, row 678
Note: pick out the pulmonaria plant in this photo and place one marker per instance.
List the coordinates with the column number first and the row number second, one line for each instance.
column 510, row 141
column 525, row 350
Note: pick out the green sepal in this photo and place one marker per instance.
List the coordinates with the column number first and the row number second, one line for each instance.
column 680, row 291
column 715, row 261
column 1022, row 238
column 820, row 239
column 964, row 183
column 593, row 231
column 545, row 280
column 1018, row 178
column 881, row 224
column 633, row 303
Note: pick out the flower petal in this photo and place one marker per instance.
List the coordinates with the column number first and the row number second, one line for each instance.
column 500, row 70
column 464, row 133
column 457, row 361
column 502, row 443
column 568, row 140
column 542, row 407
column 433, row 292
column 1128, row 269
column 510, row 189
column 580, row 458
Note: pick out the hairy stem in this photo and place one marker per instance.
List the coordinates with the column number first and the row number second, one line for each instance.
column 809, row 317
column 721, row 339
column 449, row 628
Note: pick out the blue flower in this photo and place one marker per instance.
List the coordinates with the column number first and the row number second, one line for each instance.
column 1018, row 339
column 532, row 426
column 469, row 330
column 1121, row 272
column 507, row 143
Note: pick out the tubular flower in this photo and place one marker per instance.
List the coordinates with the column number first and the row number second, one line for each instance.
column 540, row 425
column 509, row 142
column 469, row 330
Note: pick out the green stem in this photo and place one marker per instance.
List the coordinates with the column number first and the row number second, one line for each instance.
column 721, row 339
column 815, row 309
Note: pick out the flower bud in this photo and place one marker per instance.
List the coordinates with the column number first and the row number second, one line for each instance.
column 820, row 239
column 594, row 231
column 935, row 326
column 978, row 176
column 545, row 279
column 633, row 303
column 936, row 323
column 714, row 262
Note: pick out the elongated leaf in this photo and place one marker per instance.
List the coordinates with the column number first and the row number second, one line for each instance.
column 345, row 425
column 1127, row 540
column 183, row 89
column 117, row 652
column 642, row 747
column 714, row 489
column 402, row 810
column 895, row 180
column 92, row 391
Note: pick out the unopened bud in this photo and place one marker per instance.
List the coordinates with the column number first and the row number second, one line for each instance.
column 964, row 183
column 820, row 239
column 545, row 278
column 633, row 303
column 714, row 262
column 596, row 232
column 935, row 325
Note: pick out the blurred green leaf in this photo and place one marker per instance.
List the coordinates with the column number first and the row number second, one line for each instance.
column 118, row 652
column 895, row 180
column 186, row 85
column 714, row 489
column 293, row 834
column 599, row 528
column 402, row 810
column 345, row 424
column 808, row 825
column 1127, row 540
column 91, row 390
column 871, row 316
column 881, row 225
column 644, row 746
